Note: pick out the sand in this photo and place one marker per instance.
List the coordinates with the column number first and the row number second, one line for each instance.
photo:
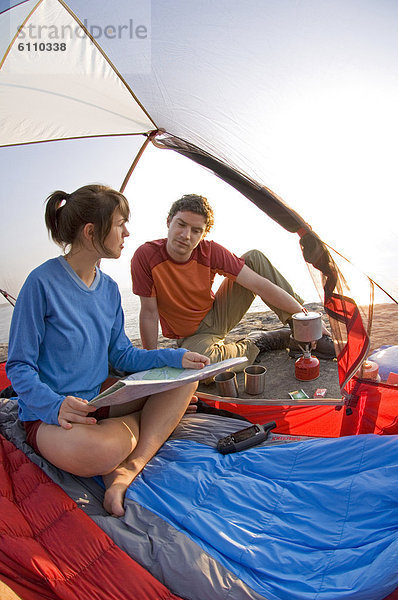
column 280, row 378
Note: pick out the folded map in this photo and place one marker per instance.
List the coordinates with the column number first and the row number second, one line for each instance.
column 160, row 379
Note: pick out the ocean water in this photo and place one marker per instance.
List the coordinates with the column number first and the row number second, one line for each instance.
column 5, row 320
column 131, row 308
column 130, row 303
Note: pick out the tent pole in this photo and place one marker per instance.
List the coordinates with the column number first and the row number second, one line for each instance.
column 149, row 138
column 8, row 297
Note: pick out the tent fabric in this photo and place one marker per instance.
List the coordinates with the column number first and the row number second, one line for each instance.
column 92, row 87
column 355, row 343
column 243, row 93
column 373, row 408
column 370, row 407
column 74, row 80
column 51, row 550
column 320, row 421
column 184, row 516
column 250, row 85
column 7, row 4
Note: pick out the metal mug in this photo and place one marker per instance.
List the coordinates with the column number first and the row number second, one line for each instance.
column 255, row 379
column 226, row 384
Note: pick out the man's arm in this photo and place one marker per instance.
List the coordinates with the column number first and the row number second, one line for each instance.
column 268, row 291
column 149, row 320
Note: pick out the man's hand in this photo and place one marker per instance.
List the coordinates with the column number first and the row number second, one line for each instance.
column 75, row 410
column 194, row 360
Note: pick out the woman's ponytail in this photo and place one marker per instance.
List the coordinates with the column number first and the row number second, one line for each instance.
column 54, row 208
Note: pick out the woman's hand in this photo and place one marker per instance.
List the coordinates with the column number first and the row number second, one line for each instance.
column 75, row 410
column 194, row 360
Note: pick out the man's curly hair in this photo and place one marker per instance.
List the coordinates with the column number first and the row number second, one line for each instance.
column 196, row 204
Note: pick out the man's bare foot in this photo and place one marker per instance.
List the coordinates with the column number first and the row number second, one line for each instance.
column 116, row 484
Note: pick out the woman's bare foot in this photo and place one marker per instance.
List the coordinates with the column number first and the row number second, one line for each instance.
column 192, row 406
column 116, row 484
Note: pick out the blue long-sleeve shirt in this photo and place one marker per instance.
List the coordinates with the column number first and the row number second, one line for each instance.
column 63, row 335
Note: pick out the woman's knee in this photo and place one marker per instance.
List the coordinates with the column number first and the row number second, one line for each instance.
column 192, row 387
column 182, row 394
column 87, row 451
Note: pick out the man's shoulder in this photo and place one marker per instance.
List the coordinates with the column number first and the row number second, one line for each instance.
column 152, row 246
column 219, row 258
column 211, row 248
column 206, row 246
column 151, row 253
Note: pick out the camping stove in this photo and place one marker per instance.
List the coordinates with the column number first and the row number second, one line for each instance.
column 307, row 328
column 307, row 366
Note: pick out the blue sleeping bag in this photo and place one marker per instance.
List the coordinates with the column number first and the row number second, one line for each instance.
column 310, row 520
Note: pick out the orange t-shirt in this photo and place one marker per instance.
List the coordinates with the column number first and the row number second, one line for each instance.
column 183, row 290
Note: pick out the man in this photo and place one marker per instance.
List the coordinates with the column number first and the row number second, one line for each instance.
column 174, row 276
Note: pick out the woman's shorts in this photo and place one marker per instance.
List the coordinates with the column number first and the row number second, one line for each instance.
column 31, row 427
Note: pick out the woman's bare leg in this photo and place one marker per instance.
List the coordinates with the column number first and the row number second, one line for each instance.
column 119, row 447
column 159, row 417
column 88, row 450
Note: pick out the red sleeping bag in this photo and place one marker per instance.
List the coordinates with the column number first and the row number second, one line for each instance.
column 4, row 381
column 51, row 550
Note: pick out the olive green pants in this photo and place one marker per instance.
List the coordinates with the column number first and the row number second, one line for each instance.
column 231, row 303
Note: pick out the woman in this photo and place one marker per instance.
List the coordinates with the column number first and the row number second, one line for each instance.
column 67, row 327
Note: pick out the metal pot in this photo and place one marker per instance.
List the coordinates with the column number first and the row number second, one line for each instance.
column 307, row 327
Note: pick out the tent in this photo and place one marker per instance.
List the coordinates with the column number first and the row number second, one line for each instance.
column 154, row 78
column 279, row 100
